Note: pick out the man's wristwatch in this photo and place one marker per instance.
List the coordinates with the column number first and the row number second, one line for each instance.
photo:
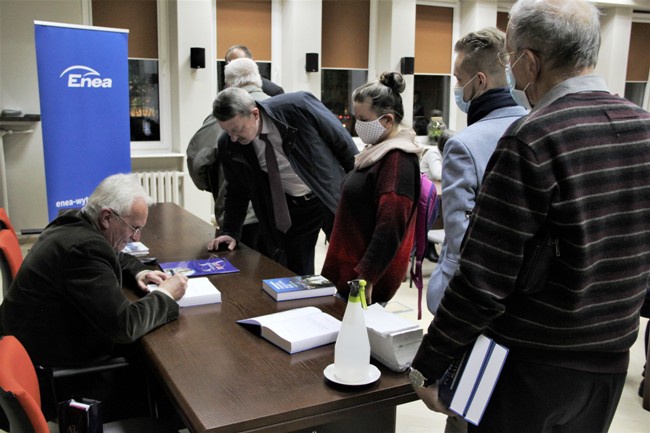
column 418, row 380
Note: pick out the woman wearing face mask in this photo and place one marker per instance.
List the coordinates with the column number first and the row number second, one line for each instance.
column 374, row 225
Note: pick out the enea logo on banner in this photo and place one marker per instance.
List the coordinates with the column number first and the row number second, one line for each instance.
column 83, row 76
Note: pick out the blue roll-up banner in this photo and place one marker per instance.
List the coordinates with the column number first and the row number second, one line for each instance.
column 83, row 83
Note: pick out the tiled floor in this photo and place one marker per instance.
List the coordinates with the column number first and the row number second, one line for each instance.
column 414, row 417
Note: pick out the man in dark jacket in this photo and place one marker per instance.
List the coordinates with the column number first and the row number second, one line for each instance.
column 312, row 151
column 66, row 304
column 239, row 51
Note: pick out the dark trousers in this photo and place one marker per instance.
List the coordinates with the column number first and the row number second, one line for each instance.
column 250, row 236
column 535, row 398
column 307, row 216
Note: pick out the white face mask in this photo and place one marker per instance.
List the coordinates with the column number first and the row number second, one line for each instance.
column 369, row 132
column 460, row 100
column 518, row 95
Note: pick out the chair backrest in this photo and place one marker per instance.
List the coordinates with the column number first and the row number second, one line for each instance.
column 18, row 378
column 10, row 251
column 5, row 222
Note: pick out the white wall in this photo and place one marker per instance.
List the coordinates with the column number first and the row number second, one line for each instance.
column 300, row 34
column 192, row 25
column 25, row 173
column 616, row 27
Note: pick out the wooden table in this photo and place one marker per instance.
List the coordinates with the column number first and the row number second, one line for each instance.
column 222, row 378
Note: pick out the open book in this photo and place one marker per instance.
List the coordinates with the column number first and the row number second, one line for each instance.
column 466, row 386
column 394, row 340
column 199, row 291
column 295, row 330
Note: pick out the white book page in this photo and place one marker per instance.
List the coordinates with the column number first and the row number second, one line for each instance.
column 470, row 375
column 385, row 322
column 487, row 384
column 270, row 319
column 305, row 332
column 298, row 329
column 200, row 290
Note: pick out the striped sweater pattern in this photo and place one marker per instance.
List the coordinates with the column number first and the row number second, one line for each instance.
column 581, row 167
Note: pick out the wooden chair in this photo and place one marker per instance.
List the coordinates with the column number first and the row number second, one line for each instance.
column 21, row 400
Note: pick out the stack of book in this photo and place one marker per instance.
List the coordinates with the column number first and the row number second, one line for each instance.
column 298, row 287
column 200, row 291
column 137, row 249
column 394, row 340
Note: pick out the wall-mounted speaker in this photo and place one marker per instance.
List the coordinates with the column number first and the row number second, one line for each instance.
column 197, row 58
column 311, row 62
column 407, row 65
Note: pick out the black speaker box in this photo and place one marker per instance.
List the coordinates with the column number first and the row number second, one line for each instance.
column 311, row 62
column 408, row 65
column 197, row 58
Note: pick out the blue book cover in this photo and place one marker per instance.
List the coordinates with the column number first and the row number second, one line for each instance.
column 298, row 287
column 199, row 267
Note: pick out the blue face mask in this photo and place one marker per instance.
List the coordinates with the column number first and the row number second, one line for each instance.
column 519, row 96
column 458, row 95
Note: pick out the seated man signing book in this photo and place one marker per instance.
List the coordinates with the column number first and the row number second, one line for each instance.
column 66, row 304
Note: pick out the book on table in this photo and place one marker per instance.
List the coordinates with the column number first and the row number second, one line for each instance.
column 394, row 340
column 200, row 291
column 199, row 267
column 295, row 330
column 298, row 287
column 137, row 249
column 467, row 385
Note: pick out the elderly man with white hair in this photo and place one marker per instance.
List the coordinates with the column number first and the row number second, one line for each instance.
column 574, row 172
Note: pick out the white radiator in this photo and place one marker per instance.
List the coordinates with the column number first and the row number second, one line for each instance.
column 163, row 186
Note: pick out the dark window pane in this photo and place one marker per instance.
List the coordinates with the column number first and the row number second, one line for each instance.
column 336, row 93
column 264, row 68
column 634, row 92
column 432, row 94
column 144, row 100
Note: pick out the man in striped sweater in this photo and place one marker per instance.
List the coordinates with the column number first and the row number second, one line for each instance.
column 579, row 166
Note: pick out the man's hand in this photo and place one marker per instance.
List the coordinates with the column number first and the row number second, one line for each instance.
column 154, row 277
column 429, row 396
column 175, row 286
column 223, row 239
column 368, row 293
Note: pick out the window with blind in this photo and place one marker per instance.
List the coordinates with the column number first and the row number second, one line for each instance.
column 141, row 19
column 248, row 23
column 344, row 64
column 638, row 63
column 433, row 52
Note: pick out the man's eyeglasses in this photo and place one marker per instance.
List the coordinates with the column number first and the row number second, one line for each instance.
column 135, row 230
column 504, row 57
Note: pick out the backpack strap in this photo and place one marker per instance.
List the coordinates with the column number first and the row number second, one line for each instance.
column 426, row 214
